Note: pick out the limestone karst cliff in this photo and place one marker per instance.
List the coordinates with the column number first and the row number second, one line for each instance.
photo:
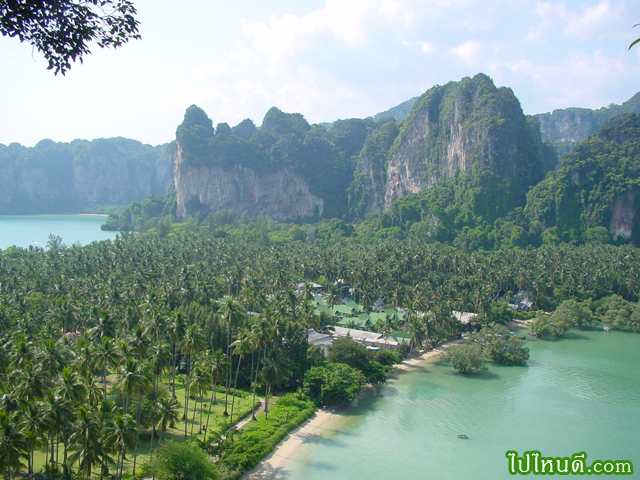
column 458, row 127
column 287, row 169
column 595, row 186
column 280, row 194
column 67, row 177
column 566, row 127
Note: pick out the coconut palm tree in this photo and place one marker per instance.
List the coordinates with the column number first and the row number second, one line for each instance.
column 107, row 355
column 57, row 413
column 158, row 362
column 167, row 414
column 13, row 446
column 189, row 345
column 32, row 425
column 218, row 364
column 118, row 434
column 232, row 315
column 133, row 377
column 52, row 356
column 88, row 449
column 272, row 374
column 198, row 387
column 241, row 346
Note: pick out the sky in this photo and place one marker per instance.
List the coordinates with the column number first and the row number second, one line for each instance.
column 326, row 59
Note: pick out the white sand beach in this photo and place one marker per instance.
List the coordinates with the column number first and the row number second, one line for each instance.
column 275, row 461
column 268, row 468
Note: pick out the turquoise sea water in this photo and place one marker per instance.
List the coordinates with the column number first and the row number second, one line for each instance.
column 26, row 230
column 580, row 393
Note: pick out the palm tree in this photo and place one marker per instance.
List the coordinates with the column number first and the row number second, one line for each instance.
column 106, row 355
column 241, row 346
column 218, row 364
column 198, row 387
column 333, row 297
column 167, row 414
column 71, row 387
column 32, row 425
column 256, row 339
column 85, row 441
column 189, row 344
column 415, row 324
column 30, row 382
column 158, row 360
column 57, row 413
column 133, row 376
column 52, row 357
column 139, row 342
column 232, row 315
column 118, row 434
column 272, row 374
column 13, row 446
column 176, row 329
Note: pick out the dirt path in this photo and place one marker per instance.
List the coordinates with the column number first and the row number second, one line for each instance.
column 247, row 419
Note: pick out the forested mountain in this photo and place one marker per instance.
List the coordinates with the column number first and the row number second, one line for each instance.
column 286, row 169
column 466, row 168
column 594, row 189
column 566, row 127
column 290, row 169
column 448, row 164
column 68, row 177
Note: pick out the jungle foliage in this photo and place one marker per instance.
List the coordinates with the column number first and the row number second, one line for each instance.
column 212, row 315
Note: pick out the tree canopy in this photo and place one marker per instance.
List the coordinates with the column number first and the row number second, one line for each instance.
column 62, row 30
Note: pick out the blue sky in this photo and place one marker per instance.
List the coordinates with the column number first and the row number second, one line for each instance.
column 327, row 59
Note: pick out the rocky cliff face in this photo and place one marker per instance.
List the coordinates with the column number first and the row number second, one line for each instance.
column 112, row 180
column 623, row 212
column 281, row 194
column 25, row 185
column 59, row 177
column 594, row 186
column 459, row 126
column 570, row 125
column 567, row 127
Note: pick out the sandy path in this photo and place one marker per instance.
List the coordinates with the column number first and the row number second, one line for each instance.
column 248, row 418
column 268, row 468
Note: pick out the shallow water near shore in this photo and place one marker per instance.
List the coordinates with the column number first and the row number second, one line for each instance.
column 580, row 393
column 33, row 230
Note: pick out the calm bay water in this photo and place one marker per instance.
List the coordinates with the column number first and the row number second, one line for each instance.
column 25, row 230
column 580, row 393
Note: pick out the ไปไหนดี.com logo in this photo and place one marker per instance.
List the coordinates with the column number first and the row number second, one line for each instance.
column 534, row 462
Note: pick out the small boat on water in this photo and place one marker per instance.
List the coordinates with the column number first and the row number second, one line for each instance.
column 607, row 329
column 463, row 436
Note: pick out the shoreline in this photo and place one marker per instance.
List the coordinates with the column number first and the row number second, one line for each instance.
column 281, row 454
column 273, row 463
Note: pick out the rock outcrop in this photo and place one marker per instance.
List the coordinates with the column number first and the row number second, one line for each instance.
column 460, row 126
column 61, row 177
column 567, row 127
column 594, row 187
column 281, row 195
column 107, row 176
column 622, row 215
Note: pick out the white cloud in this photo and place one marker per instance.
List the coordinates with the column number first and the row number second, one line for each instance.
column 427, row 47
column 327, row 59
column 468, row 51
column 580, row 79
column 579, row 23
